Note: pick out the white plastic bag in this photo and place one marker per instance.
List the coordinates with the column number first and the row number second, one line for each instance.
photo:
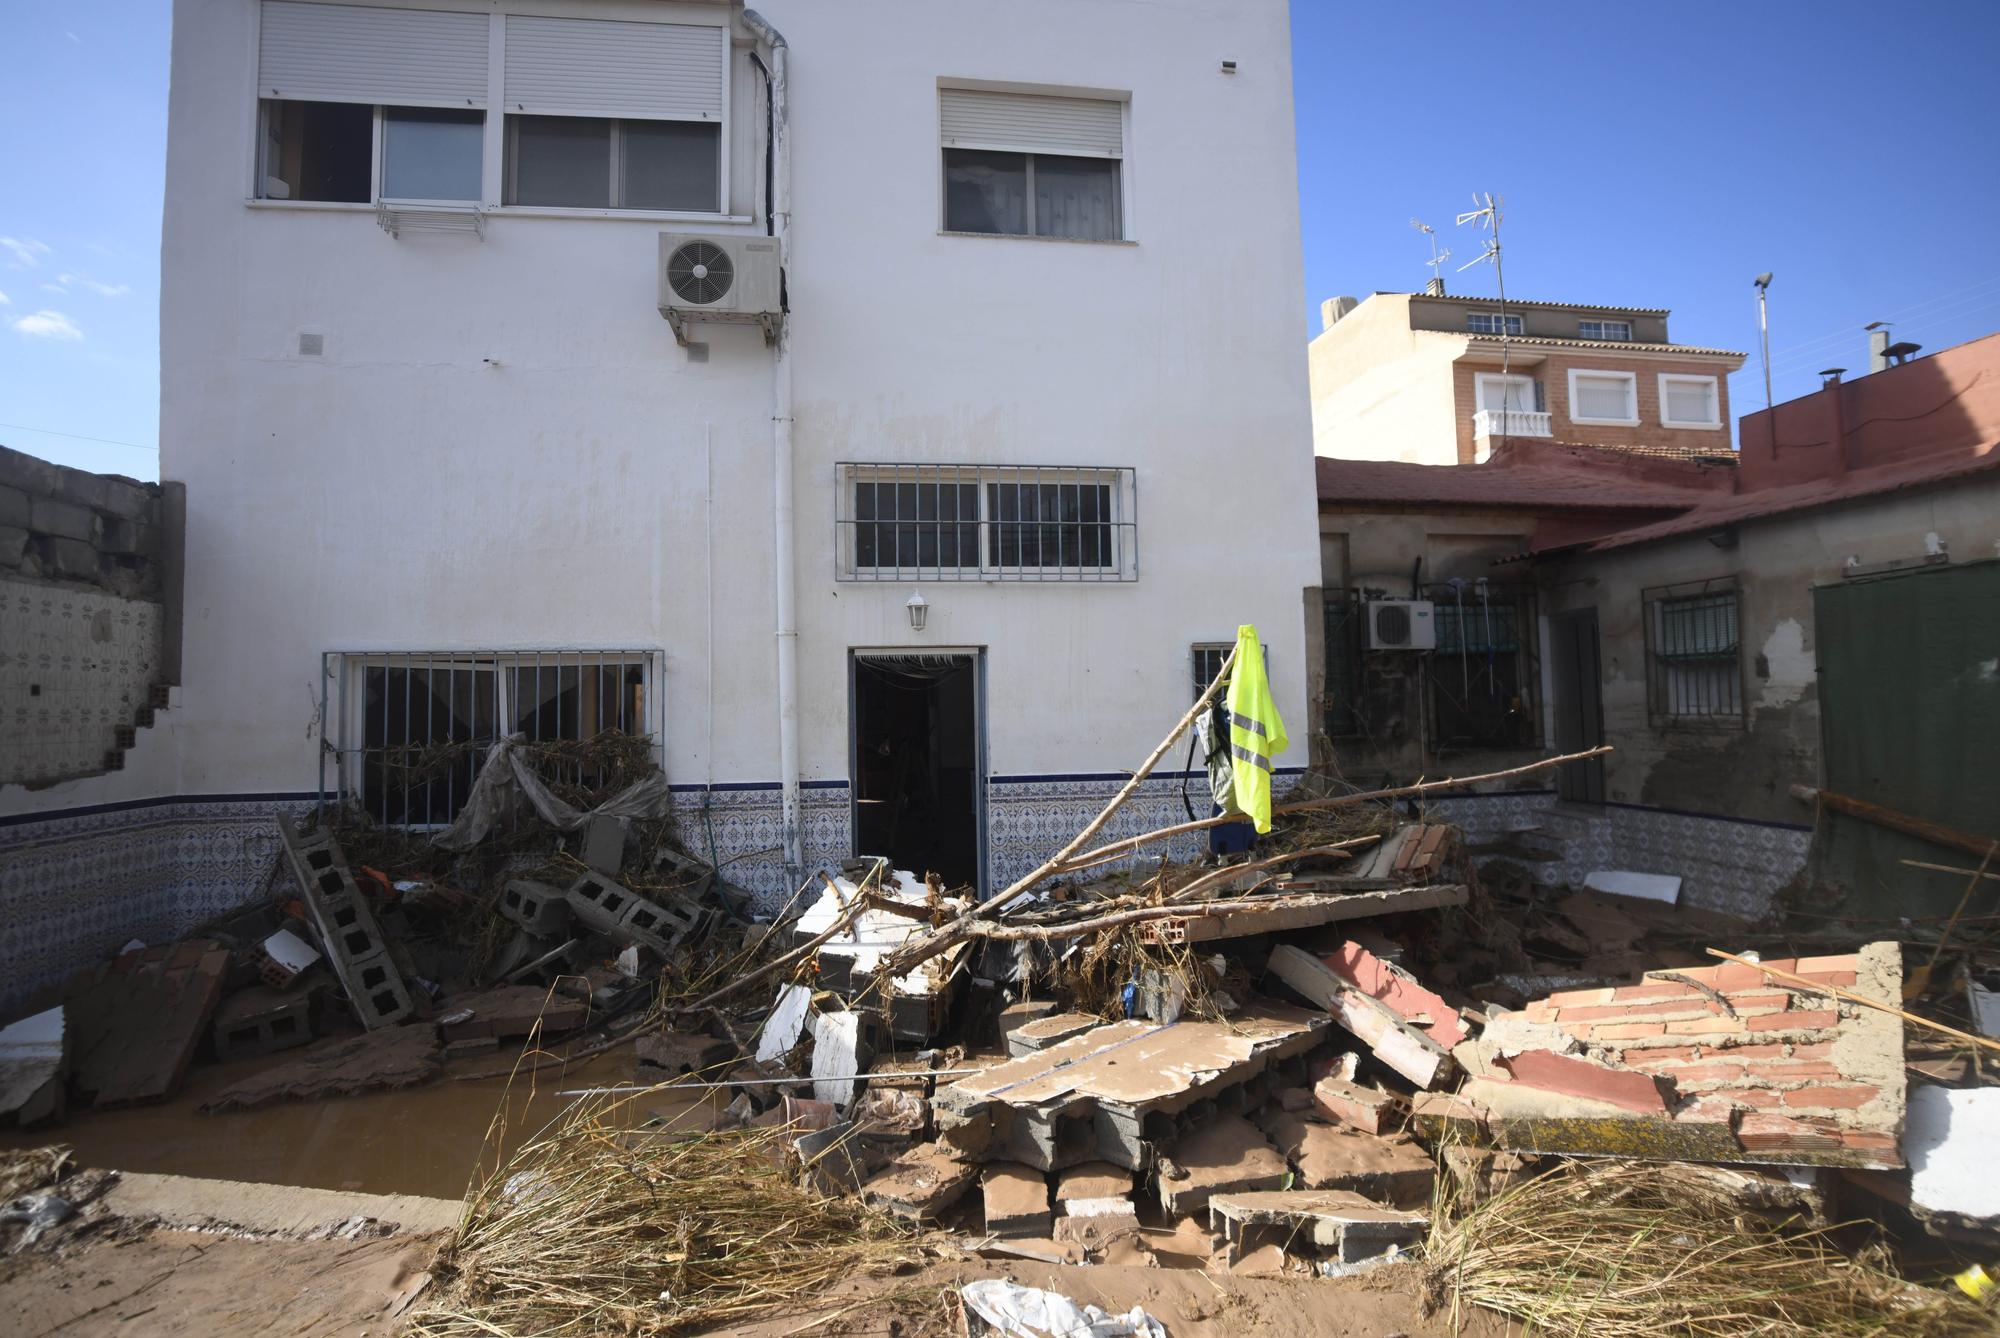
column 1030, row 1312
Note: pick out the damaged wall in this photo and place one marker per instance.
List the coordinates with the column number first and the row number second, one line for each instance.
column 1743, row 769
column 89, row 616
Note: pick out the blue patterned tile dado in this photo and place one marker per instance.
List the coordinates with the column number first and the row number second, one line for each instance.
column 76, row 886
column 744, row 826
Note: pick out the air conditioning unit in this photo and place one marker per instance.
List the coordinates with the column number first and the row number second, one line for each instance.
column 722, row 278
column 1401, row 624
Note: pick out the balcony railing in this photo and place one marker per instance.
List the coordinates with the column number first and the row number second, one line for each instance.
column 1510, row 423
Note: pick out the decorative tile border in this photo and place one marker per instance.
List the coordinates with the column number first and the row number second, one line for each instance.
column 1730, row 865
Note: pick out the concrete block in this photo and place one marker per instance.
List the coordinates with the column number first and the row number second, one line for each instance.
column 73, row 558
column 1227, row 1157
column 13, row 507
column 621, row 914
column 376, row 992
column 30, row 474
column 920, row 1184
column 1016, row 1199
column 353, row 942
column 1345, row 1226
column 125, row 498
column 1368, row 1109
column 131, row 538
column 13, row 545
column 604, row 844
column 542, row 910
column 61, row 520
column 1015, row 1016
column 262, row 1021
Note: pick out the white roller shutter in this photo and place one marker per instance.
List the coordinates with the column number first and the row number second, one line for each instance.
column 358, row 53
column 599, row 67
column 1082, row 127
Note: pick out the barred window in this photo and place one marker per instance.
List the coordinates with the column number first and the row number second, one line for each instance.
column 1694, row 654
column 985, row 523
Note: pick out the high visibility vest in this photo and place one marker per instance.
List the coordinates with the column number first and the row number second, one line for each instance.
column 1256, row 733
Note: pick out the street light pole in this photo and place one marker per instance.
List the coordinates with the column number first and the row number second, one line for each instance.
column 1763, row 282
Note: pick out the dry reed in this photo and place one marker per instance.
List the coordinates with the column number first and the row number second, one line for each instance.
column 1621, row 1251
column 595, row 1227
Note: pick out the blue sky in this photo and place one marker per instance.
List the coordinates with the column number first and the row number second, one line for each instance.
column 1646, row 155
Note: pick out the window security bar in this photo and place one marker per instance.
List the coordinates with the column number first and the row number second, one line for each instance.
column 925, row 522
column 1694, row 654
column 404, row 734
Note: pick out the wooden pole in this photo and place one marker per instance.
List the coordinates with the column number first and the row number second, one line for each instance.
column 900, row 961
column 1921, row 828
column 1201, row 910
column 1104, row 854
column 1862, row 999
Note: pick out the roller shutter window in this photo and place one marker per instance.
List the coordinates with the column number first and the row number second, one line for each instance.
column 1027, row 164
column 607, row 68
column 381, row 57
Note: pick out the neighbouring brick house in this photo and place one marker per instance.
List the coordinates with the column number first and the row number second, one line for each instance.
column 1432, row 379
column 1822, row 610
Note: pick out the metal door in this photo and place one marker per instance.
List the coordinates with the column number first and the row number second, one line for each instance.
column 1578, row 705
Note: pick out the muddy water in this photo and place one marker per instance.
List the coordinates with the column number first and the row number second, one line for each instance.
column 421, row 1140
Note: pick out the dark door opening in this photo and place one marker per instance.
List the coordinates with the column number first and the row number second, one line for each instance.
column 1579, row 707
column 916, row 763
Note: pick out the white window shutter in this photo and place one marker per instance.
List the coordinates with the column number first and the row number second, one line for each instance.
column 601, row 67
column 1031, row 122
column 358, row 53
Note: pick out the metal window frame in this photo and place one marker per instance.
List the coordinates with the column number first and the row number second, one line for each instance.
column 1121, row 531
column 1510, row 323
column 1660, row 695
column 1352, row 607
column 1583, row 331
column 344, row 752
column 1028, row 192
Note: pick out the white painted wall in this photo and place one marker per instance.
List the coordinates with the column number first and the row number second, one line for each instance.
column 502, row 446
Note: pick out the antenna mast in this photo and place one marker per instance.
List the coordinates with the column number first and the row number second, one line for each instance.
column 1485, row 215
column 1435, row 288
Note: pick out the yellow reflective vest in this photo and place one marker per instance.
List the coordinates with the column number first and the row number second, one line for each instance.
column 1256, row 733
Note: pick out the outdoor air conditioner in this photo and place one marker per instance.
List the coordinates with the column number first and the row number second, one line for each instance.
column 1401, row 624
column 719, row 278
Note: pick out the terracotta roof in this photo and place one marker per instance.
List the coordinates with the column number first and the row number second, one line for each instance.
column 1714, row 455
column 1534, row 487
column 1717, row 510
column 1546, row 341
column 1529, row 302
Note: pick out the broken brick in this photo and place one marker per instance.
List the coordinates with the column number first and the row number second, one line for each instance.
column 1638, row 1092
column 1366, row 1108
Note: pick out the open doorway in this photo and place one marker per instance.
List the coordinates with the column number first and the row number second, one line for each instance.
column 916, row 762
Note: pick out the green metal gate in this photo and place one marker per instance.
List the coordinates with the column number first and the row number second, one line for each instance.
column 1909, row 683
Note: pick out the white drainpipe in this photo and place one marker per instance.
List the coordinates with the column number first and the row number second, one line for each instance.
column 781, row 448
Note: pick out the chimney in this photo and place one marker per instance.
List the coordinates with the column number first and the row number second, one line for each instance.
column 1435, row 287
column 1331, row 310
column 1878, row 348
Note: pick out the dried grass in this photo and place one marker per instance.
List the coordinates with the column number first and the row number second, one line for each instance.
column 27, row 1170
column 594, row 1227
column 1619, row 1251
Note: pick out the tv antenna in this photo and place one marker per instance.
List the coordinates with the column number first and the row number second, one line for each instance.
column 1436, row 286
column 1484, row 216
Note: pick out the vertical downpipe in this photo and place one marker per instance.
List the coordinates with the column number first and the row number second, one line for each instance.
column 781, row 449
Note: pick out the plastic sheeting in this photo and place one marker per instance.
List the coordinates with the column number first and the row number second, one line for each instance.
column 507, row 778
column 1030, row 1312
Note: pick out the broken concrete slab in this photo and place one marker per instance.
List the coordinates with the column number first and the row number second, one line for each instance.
column 393, row 1057
column 137, row 1020
column 785, row 1024
column 920, row 1184
column 1226, row 1156
column 1369, row 1109
column 1331, row 1222
column 1040, row 1033
column 34, row 1069
column 1016, row 1015
column 510, row 1011
column 669, row 1056
column 1106, row 1094
column 1388, row 1168
column 1016, row 1198
column 836, row 1057
column 1405, row 1043
column 1093, row 1180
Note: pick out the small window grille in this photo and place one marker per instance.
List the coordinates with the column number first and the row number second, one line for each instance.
column 1694, row 654
column 985, row 523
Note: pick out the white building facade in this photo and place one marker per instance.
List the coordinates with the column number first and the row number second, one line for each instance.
column 1043, row 357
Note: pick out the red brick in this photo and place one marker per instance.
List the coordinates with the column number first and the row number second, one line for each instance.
column 1860, row 1138
column 1399, row 991
column 1592, row 996
column 1847, row 961
column 1771, row 1051
column 1845, row 979
column 1830, row 1098
column 1691, row 1073
column 1717, row 1026
column 1780, row 1131
column 1759, row 1098
column 1812, row 1021
column 1626, row 1031
column 1786, row 1071
column 1663, row 990
column 1549, row 1072
column 1770, row 1001
column 1637, row 1012
column 1656, row 1056
column 1366, row 1108
column 1820, row 1050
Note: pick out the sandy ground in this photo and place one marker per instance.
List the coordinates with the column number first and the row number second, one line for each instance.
column 176, row 1283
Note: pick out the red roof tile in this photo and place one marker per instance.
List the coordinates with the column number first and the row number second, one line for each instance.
column 1532, row 487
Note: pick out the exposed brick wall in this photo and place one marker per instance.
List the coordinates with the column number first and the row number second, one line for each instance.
column 1553, row 373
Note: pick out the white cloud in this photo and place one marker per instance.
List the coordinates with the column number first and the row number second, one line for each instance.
column 55, row 288
column 48, row 325
column 27, row 252
column 97, row 286
column 6, row 301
